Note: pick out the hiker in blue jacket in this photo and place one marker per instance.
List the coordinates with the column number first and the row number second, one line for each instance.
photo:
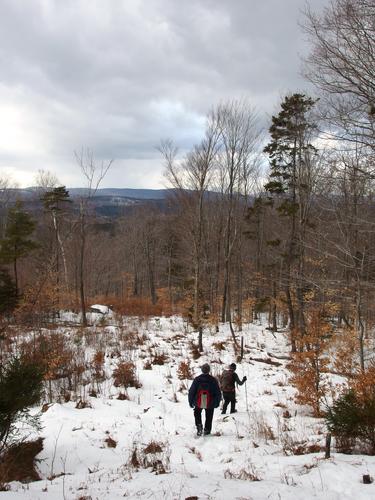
column 204, row 394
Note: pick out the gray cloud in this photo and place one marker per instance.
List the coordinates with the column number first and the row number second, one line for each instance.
column 118, row 76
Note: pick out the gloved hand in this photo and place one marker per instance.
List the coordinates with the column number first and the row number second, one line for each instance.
column 244, row 379
column 191, row 406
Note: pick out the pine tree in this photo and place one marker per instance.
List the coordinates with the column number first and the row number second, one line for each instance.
column 17, row 243
column 21, row 386
column 291, row 157
column 290, row 149
column 8, row 292
column 53, row 199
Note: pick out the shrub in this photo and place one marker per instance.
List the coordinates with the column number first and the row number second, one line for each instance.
column 153, row 447
column 18, row 462
column 98, row 365
column 351, row 419
column 125, row 375
column 111, row 443
column 250, row 474
column 81, row 404
column 184, row 371
column 52, row 352
column 219, row 346
column 308, row 367
column 291, row 447
column 131, row 339
column 21, row 385
column 159, row 358
column 155, row 455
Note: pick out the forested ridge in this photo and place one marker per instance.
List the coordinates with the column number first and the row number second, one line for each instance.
column 279, row 221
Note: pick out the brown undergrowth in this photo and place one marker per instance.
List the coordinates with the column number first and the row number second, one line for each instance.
column 17, row 462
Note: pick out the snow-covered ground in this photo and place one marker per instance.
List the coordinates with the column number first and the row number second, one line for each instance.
column 248, row 456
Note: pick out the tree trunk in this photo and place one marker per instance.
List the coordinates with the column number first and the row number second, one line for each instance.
column 360, row 329
column 15, row 275
column 273, row 307
column 151, row 277
column 81, row 269
column 169, row 277
column 292, row 326
column 200, row 339
column 62, row 250
column 239, row 290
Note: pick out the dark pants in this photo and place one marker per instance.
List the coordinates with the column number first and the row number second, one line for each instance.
column 198, row 418
column 229, row 397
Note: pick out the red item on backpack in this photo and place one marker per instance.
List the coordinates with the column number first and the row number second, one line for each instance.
column 204, row 397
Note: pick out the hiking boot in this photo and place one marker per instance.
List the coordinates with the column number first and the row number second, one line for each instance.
column 206, row 432
column 199, row 430
column 234, row 411
column 223, row 412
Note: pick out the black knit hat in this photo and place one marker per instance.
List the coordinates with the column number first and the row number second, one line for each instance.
column 205, row 368
column 233, row 366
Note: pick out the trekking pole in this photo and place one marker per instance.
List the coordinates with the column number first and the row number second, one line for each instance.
column 247, row 405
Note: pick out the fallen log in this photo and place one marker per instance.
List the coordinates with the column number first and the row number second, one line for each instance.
column 267, row 361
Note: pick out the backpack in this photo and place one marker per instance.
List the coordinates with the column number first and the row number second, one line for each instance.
column 204, row 396
column 226, row 381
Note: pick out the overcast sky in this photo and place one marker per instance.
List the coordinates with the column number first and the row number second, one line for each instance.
column 117, row 76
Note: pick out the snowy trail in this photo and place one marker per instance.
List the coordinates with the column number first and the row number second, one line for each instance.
column 243, row 459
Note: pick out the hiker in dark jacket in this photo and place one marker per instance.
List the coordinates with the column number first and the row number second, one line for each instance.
column 228, row 381
column 204, row 394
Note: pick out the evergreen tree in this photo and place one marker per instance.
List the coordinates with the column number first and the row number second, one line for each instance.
column 53, row 199
column 21, row 386
column 8, row 292
column 290, row 150
column 351, row 418
column 291, row 158
column 17, row 243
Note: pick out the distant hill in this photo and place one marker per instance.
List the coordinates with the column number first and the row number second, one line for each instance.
column 108, row 202
column 137, row 194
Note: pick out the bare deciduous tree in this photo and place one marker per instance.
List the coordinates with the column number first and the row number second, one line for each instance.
column 239, row 136
column 342, row 66
column 191, row 179
column 94, row 172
